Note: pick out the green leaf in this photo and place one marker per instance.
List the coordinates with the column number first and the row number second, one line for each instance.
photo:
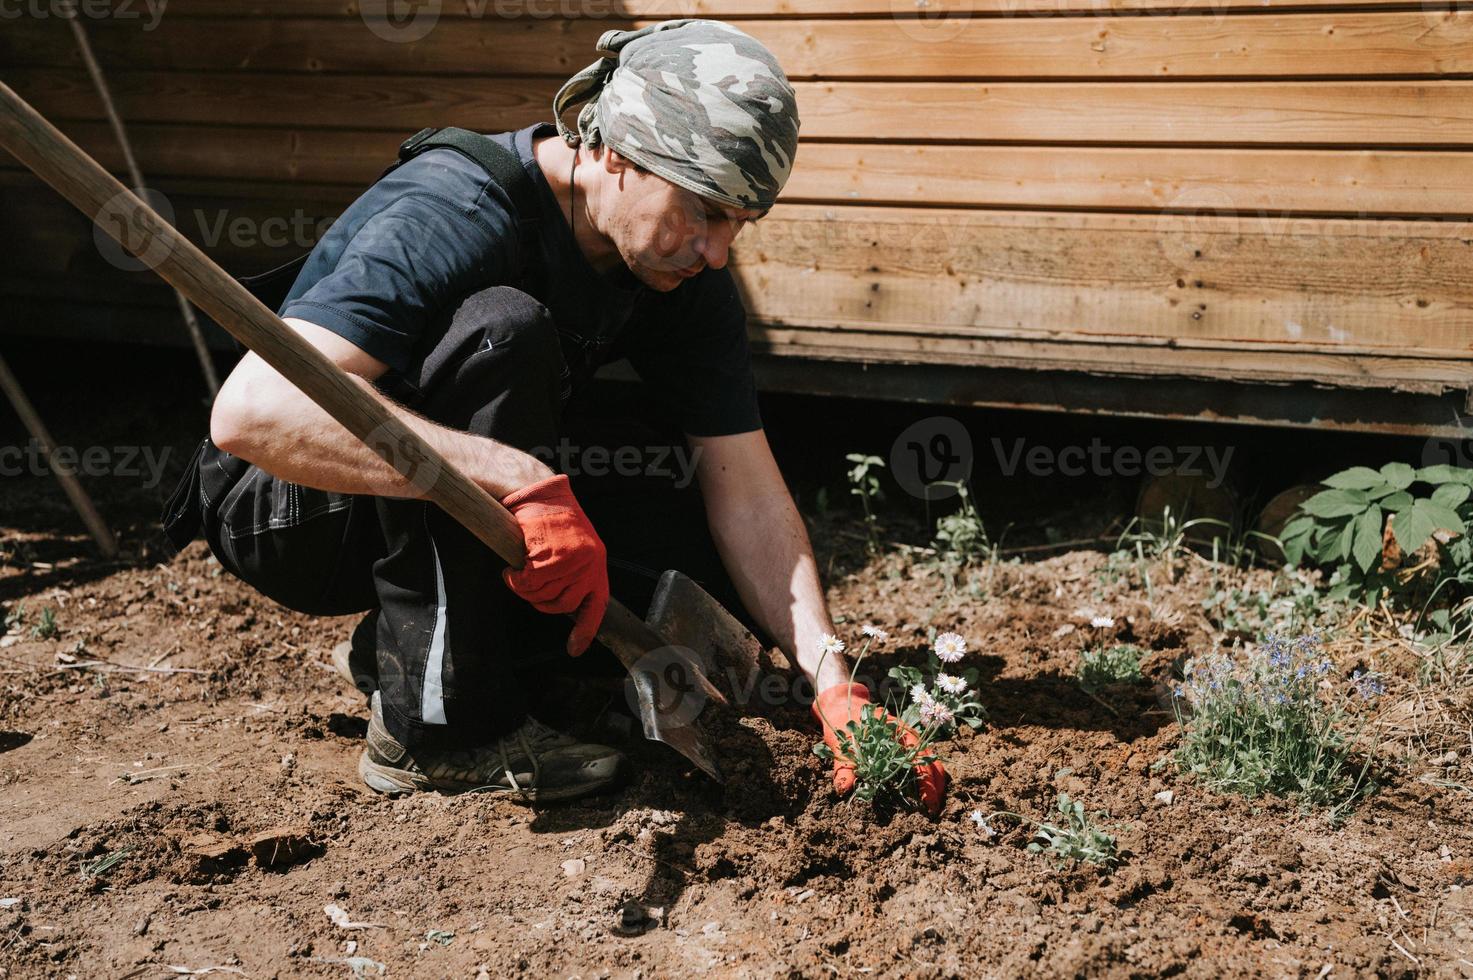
column 1451, row 494
column 1397, row 502
column 1442, row 516
column 1367, row 545
column 1413, row 527
column 1445, row 473
column 1399, row 475
column 1336, row 503
column 1342, row 543
column 1355, row 478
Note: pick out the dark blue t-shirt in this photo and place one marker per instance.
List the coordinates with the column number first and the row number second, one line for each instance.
column 400, row 260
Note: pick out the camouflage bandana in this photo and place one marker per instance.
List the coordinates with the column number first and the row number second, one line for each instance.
column 696, row 102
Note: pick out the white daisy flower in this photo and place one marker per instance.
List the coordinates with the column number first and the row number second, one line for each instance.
column 949, row 684
column 949, row 647
column 1102, row 622
column 874, row 632
column 828, row 643
column 919, row 694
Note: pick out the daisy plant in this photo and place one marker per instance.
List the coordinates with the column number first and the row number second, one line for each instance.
column 940, row 693
column 886, row 745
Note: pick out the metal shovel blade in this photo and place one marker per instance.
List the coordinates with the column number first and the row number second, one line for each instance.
column 688, row 616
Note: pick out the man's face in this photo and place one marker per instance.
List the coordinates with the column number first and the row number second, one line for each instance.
column 664, row 233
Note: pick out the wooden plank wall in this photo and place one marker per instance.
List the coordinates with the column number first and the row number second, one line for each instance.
column 1204, row 188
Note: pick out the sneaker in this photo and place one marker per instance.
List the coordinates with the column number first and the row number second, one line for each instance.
column 358, row 668
column 535, row 763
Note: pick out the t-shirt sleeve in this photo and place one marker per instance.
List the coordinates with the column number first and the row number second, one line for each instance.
column 694, row 352
column 404, row 266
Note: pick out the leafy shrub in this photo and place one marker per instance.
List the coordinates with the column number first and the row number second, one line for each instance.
column 1102, row 667
column 1273, row 723
column 1345, row 528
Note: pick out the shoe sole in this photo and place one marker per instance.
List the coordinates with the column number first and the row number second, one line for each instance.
column 399, row 782
column 341, row 662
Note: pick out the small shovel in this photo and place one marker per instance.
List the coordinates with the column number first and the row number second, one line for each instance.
column 670, row 686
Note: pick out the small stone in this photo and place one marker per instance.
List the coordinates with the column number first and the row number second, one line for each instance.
column 1166, row 797
column 711, row 929
column 806, row 893
column 574, row 867
column 141, row 926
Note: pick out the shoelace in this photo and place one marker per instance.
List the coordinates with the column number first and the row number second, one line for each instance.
column 542, row 733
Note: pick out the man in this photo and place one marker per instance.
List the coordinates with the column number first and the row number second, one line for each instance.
column 432, row 293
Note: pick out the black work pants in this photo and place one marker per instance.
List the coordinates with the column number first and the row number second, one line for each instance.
column 455, row 647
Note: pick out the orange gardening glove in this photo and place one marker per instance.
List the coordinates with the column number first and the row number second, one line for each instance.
column 844, row 703
column 567, row 569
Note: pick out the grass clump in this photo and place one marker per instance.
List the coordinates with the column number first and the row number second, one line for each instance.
column 1274, row 723
column 1102, row 667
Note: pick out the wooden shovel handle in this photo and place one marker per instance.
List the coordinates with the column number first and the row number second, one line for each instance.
column 138, row 228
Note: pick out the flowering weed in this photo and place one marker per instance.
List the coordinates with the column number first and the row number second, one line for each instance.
column 1275, row 723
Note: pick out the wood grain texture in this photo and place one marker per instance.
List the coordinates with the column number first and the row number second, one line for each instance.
column 1359, row 113
column 1428, row 42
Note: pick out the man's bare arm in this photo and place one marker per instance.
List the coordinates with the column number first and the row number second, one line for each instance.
column 265, row 419
column 765, row 548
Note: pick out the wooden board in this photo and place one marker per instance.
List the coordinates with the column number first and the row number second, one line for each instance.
column 1301, row 45
column 1170, row 282
column 1211, row 181
column 1359, row 114
column 725, row 9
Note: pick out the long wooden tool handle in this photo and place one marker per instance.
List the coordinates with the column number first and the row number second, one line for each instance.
column 138, row 228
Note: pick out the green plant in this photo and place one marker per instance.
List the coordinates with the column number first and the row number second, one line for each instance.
column 15, row 616
column 1102, row 667
column 1272, row 722
column 1077, row 839
column 1290, row 604
column 1165, row 543
column 1344, row 528
column 960, row 535
column 864, row 483
column 46, row 627
column 931, row 694
column 886, row 745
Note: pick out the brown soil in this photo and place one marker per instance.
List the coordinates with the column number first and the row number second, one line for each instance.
column 241, row 727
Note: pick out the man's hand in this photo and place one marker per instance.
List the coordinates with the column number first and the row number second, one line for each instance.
column 843, row 703
column 567, row 567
